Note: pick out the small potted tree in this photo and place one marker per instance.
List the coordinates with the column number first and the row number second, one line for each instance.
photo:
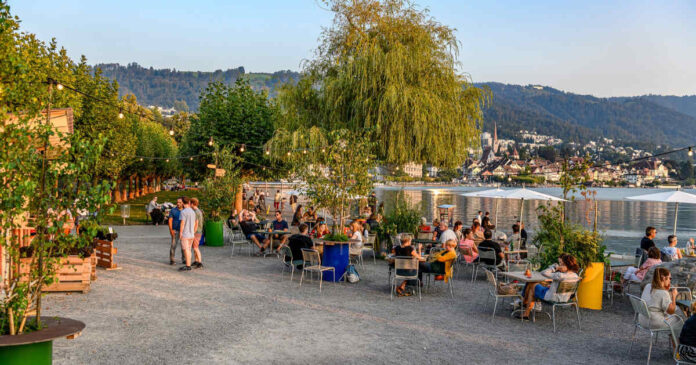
column 219, row 191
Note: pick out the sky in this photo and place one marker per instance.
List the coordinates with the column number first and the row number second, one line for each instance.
column 603, row 48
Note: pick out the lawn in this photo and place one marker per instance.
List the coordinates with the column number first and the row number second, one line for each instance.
column 137, row 207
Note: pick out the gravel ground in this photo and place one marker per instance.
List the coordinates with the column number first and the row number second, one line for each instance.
column 242, row 310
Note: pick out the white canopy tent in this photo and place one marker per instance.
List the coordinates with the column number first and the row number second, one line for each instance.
column 668, row 197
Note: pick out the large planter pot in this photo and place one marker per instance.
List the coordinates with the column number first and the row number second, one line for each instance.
column 213, row 233
column 36, row 348
column 590, row 291
column 337, row 255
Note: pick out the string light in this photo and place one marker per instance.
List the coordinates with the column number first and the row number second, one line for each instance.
column 120, row 114
column 171, row 132
column 167, row 160
column 190, row 158
column 691, row 152
column 288, row 153
column 268, row 152
column 323, row 150
column 59, row 86
column 241, row 149
column 141, row 159
column 304, row 151
column 210, row 142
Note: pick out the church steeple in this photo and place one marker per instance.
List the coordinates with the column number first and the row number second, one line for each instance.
column 495, row 136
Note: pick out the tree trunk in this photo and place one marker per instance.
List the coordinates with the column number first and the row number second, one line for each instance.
column 117, row 192
column 239, row 200
column 131, row 190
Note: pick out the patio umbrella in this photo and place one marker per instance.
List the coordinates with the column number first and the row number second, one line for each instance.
column 492, row 193
column 675, row 197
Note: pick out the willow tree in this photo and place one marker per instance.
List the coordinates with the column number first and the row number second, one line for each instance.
column 388, row 68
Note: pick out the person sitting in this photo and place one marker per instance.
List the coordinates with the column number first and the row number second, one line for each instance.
column 687, row 338
column 424, row 227
column 298, row 241
column 248, row 227
column 566, row 269
column 467, row 244
column 489, row 243
column 447, row 234
column 356, row 233
column 297, row 216
column 441, row 262
column 320, row 231
column 310, row 215
column 279, row 224
column 406, row 250
column 436, row 230
column 365, row 231
column 486, row 224
column 660, row 299
column 671, row 249
column 458, row 225
column 478, row 232
column 637, row 274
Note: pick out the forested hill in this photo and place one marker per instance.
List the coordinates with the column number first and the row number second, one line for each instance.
column 163, row 87
column 632, row 121
column 683, row 104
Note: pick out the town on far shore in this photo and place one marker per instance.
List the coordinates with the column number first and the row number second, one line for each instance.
column 535, row 160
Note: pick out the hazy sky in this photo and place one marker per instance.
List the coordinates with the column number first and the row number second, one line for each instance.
column 604, row 48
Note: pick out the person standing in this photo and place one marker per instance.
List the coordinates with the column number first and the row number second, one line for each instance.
column 198, row 263
column 276, row 200
column 480, row 216
column 174, row 225
column 293, row 202
column 152, row 205
column 187, row 232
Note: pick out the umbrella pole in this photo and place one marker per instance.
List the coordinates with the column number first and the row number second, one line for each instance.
column 676, row 211
column 519, row 239
column 496, row 215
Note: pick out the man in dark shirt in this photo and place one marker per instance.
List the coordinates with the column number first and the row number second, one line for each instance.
column 488, row 243
column 647, row 241
column 299, row 241
column 249, row 227
column 279, row 224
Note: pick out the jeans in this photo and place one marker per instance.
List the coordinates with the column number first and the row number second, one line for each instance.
column 172, row 250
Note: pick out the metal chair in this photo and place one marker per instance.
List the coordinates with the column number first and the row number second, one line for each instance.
column 641, row 308
column 311, row 261
column 235, row 237
column 493, row 291
column 449, row 278
column 564, row 287
column 370, row 245
column 286, row 252
column 486, row 253
column 355, row 252
column 675, row 324
column 608, row 283
column 465, row 251
column 401, row 266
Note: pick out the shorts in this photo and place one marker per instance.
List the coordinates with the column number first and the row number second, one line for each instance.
column 540, row 291
column 186, row 243
column 258, row 236
column 197, row 239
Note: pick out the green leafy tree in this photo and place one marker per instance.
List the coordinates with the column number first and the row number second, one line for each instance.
column 219, row 192
column 387, row 69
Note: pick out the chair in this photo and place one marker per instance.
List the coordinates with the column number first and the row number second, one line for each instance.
column 564, row 287
column 465, row 251
column 486, row 253
column 493, row 291
column 641, row 308
column 235, row 236
column 608, row 282
column 311, row 261
column 286, row 252
column 355, row 252
column 640, row 256
column 424, row 235
column 370, row 245
column 402, row 264
column 675, row 324
column 450, row 279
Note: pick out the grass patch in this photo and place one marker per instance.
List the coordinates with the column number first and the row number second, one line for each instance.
column 138, row 215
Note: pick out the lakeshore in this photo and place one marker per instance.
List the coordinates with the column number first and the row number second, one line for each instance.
column 242, row 310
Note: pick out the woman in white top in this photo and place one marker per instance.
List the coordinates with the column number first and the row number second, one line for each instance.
column 565, row 270
column 659, row 298
column 356, row 228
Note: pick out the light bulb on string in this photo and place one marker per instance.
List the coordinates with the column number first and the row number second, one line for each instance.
column 241, row 149
column 190, row 158
column 323, row 150
column 59, row 86
column 210, row 142
column 691, row 152
column 141, row 159
column 268, row 152
column 167, row 160
column 304, row 151
column 120, row 114
column 171, row 132
column 288, row 153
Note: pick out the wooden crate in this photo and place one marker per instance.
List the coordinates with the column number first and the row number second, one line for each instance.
column 106, row 254
column 93, row 264
column 73, row 275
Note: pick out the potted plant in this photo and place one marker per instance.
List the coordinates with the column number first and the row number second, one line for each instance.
column 219, row 193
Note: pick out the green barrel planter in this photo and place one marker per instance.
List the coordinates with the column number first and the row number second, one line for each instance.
column 36, row 347
column 213, row 234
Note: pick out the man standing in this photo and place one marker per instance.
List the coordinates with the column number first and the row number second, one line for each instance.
column 198, row 263
column 647, row 241
column 187, row 232
column 480, row 216
column 152, row 205
column 523, row 233
column 276, row 200
column 279, row 224
column 174, row 224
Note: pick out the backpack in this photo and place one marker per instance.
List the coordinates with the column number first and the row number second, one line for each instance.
column 352, row 275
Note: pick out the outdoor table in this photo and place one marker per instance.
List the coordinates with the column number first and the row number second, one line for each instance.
column 521, row 277
column 509, row 253
column 336, row 255
column 271, row 234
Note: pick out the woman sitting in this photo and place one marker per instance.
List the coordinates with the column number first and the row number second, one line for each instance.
column 406, row 250
column 660, row 300
column 320, row 231
column 458, row 225
column 467, row 246
column 687, row 338
column 441, row 262
column 424, row 227
column 637, row 274
column 297, row 217
column 356, row 233
column 566, row 269
column 477, row 231
column 310, row 215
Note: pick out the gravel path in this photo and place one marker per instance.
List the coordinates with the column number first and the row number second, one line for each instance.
column 241, row 310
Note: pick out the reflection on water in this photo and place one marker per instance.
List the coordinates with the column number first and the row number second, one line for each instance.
column 622, row 222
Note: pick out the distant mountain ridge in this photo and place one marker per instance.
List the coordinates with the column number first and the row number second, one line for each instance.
column 643, row 121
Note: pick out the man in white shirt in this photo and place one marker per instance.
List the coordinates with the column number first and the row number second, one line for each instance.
column 188, row 225
column 447, row 234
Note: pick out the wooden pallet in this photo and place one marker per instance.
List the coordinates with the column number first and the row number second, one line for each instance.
column 106, row 254
column 73, row 275
column 93, row 264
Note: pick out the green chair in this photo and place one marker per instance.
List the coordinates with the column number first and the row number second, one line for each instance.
column 288, row 261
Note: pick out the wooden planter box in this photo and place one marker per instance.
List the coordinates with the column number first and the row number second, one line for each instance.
column 106, row 254
column 73, row 275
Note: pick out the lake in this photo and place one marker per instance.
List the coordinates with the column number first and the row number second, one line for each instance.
column 622, row 222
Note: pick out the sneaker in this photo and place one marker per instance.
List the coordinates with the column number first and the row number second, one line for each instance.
column 537, row 306
column 197, row 265
column 185, row 268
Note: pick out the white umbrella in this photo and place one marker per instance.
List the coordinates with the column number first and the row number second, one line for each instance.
column 668, row 197
column 492, row 193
